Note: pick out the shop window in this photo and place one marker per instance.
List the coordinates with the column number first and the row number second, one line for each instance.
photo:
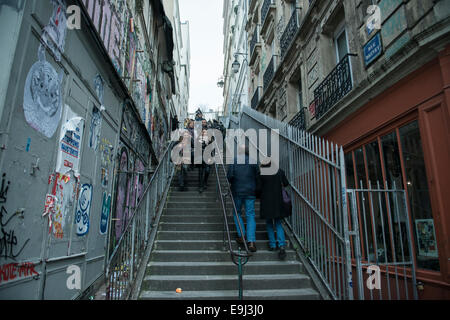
column 419, row 197
column 383, row 222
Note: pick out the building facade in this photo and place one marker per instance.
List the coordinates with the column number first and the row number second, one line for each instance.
column 372, row 76
column 235, row 80
column 85, row 116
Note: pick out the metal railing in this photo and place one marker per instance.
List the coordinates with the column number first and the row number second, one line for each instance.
column 265, row 10
column 256, row 97
column 289, row 33
column 253, row 41
column 334, row 87
column 382, row 238
column 269, row 73
column 238, row 258
column 315, row 169
column 127, row 257
column 299, row 120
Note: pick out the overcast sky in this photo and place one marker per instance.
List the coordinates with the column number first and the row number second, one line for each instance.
column 205, row 26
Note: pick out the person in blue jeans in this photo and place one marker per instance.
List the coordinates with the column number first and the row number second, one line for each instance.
column 243, row 188
column 273, row 210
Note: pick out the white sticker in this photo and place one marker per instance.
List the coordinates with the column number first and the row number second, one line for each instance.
column 42, row 102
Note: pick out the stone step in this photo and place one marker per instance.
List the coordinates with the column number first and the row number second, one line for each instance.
column 225, row 282
column 204, row 235
column 169, row 226
column 283, row 294
column 224, row 268
column 214, row 217
column 202, row 244
column 214, row 255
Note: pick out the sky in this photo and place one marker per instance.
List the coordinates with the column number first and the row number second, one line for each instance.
column 205, row 27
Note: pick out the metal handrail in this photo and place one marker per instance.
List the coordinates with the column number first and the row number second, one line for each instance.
column 127, row 257
column 246, row 255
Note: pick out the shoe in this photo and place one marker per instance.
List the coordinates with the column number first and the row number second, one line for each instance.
column 200, row 190
column 272, row 248
column 240, row 241
column 251, row 246
column 282, row 253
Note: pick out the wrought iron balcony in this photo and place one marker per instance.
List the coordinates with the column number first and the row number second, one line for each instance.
column 299, row 120
column 334, row 87
column 256, row 97
column 269, row 73
column 254, row 41
column 265, row 10
column 289, row 33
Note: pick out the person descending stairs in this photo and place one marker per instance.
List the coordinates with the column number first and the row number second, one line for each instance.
column 190, row 261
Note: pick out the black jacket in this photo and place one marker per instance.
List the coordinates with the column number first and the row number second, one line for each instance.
column 271, row 196
column 243, row 178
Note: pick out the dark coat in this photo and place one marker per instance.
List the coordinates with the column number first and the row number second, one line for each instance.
column 271, row 196
column 243, row 178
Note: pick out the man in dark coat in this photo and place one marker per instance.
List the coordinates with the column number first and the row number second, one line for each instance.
column 243, row 187
column 273, row 209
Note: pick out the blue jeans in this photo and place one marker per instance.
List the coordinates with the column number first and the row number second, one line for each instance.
column 249, row 203
column 270, row 223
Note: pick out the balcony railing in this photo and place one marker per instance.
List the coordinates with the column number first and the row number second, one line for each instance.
column 269, row 73
column 254, row 41
column 299, row 120
column 334, row 87
column 255, row 99
column 265, row 10
column 289, row 33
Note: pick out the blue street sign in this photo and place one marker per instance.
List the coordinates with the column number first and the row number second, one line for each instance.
column 372, row 49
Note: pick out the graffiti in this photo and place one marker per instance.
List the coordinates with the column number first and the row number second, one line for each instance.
column 106, row 208
column 96, row 124
column 106, row 150
column 13, row 271
column 54, row 35
column 82, row 215
column 122, row 196
column 42, row 101
column 8, row 239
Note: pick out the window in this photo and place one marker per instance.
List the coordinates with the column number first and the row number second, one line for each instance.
column 300, row 95
column 394, row 161
column 340, row 42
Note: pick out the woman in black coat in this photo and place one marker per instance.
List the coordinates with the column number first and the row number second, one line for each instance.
column 272, row 208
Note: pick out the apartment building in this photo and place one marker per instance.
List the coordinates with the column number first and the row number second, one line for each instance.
column 372, row 76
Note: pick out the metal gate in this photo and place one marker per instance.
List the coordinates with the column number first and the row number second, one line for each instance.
column 315, row 169
column 381, row 243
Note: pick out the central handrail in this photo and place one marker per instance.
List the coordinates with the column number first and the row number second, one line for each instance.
column 239, row 255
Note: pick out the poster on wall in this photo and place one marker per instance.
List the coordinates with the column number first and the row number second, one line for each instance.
column 426, row 238
column 95, row 128
column 82, row 215
column 70, row 143
column 106, row 209
column 42, row 102
column 54, row 34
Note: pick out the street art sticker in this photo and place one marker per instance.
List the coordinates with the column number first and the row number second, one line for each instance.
column 106, row 209
column 106, row 152
column 82, row 215
column 95, row 129
column 64, row 189
column 54, row 35
column 42, row 102
column 70, row 143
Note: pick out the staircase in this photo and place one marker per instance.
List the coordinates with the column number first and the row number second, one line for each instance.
column 189, row 254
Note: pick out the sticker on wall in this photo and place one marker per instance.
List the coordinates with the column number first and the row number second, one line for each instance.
column 42, row 103
column 106, row 209
column 65, row 196
column 82, row 215
column 54, row 34
column 70, row 143
column 106, row 152
column 99, row 87
column 95, row 129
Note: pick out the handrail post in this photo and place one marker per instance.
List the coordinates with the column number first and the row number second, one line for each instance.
column 241, row 289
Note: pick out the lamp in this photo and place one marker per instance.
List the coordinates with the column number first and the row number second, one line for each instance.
column 236, row 65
